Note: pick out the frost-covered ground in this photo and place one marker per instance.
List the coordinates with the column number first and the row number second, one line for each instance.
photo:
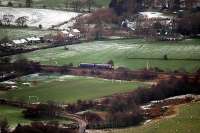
column 45, row 17
column 154, row 15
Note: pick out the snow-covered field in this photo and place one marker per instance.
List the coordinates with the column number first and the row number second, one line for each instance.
column 154, row 15
column 45, row 17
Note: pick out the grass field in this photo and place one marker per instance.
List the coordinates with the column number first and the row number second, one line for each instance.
column 14, row 116
column 134, row 54
column 54, row 3
column 187, row 121
column 15, row 33
column 66, row 88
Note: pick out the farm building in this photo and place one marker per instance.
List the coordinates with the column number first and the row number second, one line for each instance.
column 33, row 40
column 65, row 35
column 21, row 41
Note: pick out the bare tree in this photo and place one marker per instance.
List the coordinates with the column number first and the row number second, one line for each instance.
column 4, row 127
column 89, row 4
column 76, row 5
column 7, row 19
column 29, row 3
column 21, row 21
column 190, row 4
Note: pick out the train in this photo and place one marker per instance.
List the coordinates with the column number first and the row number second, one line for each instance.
column 95, row 66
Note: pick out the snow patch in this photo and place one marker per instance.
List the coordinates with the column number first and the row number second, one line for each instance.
column 47, row 18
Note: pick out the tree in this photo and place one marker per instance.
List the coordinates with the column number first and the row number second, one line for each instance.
column 165, row 57
column 21, row 21
column 176, row 5
column 89, row 4
column 111, row 62
column 40, row 26
column 157, row 26
column 100, row 18
column 29, row 3
column 10, row 4
column 7, row 19
column 4, row 127
column 67, row 4
column 4, row 40
column 76, row 5
column 190, row 4
column 126, row 6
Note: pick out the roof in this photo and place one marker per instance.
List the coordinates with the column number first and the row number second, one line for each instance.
column 75, row 31
column 33, row 39
column 65, row 32
column 71, row 35
column 21, row 41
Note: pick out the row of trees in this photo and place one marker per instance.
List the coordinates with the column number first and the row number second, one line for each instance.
column 133, row 6
column 9, row 19
column 28, row 3
column 35, row 127
column 78, row 5
column 189, row 24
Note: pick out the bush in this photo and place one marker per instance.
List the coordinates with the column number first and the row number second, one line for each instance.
column 10, row 4
column 40, row 26
column 165, row 57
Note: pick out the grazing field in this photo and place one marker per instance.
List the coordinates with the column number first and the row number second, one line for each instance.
column 187, row 121
column 13, row 33
column 54, row 4
column 65, row 88
column 133, row 53
column 47, row 18
column 13, row 115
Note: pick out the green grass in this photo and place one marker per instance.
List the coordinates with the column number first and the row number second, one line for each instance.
column 187, row 121
column 15, row 33
column 123, row 52
column 57, row 3
column 13, row 115
column 68, row 89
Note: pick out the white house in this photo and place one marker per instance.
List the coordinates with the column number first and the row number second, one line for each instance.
column 33, row 39
column 21, row 41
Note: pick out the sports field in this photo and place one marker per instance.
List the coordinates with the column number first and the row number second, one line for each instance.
column 43, row 88
column 186, row 121
column 133, row 53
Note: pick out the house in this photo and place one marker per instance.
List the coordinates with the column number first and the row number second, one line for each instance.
column 33, row 40
column 21, row 41
column 76, row 33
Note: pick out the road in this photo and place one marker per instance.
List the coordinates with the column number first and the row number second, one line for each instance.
column 82, row 123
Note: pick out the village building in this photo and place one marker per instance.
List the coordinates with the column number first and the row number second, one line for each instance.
column 32, row 40
column 20, row 41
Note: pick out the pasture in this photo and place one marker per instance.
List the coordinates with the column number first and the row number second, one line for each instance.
column 13, row 33
column 66, row 88
column 53, row 4
column 47, row 18
column 14, row 116
column 186, row 121
column 132, row 53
